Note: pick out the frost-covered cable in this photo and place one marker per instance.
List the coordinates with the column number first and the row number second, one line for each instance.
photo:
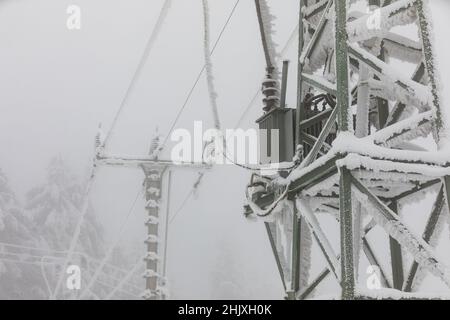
column 124, row 280
column 20, row 261
column 188, row 196
column 255, row 97
column 148, row 48
column 15, row 254
column 209, row 66
column 44, row 275
column 266, row 212
column 108, row 255
column 76, row 235
column 266, row 19
column 55, row 252
column 197, row 80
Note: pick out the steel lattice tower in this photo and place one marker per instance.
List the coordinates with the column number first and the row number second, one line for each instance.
column 357, row 119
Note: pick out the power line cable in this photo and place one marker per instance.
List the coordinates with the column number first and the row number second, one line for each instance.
column 287, row 45
column 112, row 247
column 136, row 76
column 124, row 280
column 197, row 80
column 77, row 232
column 138, row 72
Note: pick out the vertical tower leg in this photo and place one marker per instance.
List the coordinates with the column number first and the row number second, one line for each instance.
column 296, row 221
column 346, row 224
column 300, row 116
column 295, row 267
column 345, row 193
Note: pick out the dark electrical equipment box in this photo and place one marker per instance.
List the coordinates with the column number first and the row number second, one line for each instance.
column 283, row 120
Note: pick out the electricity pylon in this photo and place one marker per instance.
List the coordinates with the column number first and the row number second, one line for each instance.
column 157, row 179
column 357, row 120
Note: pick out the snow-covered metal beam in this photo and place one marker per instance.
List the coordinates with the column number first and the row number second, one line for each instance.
column 400, row 107
column 314, row 176
column 320, row 83
column 392, row 224
column 275, row 253
column 417, row 188
column 370, row 256
column 400, row 47
column 320, row 142
column 429, row 58
column 319, row 235
column 312, row 140
column 398, row 13
column 314, row 9
column 317, row 34
column 386, row 88
column 405, row 130
column 428, row 233
column 315, row 119
column 405, row 86
column 138, row 161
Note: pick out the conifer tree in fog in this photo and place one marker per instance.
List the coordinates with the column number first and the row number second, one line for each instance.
column 20, row 277
column 55, row 208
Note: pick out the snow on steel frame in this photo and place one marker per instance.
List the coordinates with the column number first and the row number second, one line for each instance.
column 357, row 165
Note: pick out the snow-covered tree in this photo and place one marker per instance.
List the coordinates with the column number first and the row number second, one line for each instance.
column 20, row 274
column 55, row 209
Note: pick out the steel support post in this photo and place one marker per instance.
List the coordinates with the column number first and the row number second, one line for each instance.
column 396, row 256
column 295, row 267
column 284, row 80
column 346, row 225
column 425, row 29
column 300, row 113
column 382, row 104
column 300, row 116
column 345, row 193
column 342, row 66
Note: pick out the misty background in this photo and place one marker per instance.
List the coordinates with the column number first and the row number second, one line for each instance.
column 59, row 84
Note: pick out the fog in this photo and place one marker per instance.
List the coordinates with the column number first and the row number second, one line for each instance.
column 59, row 84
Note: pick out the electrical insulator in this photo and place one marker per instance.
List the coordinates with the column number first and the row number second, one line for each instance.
column 151, row 256
column 148, row 294
column 152, row 220
column 271, row 93
column 150, row 274
column 152, row 204
column 151, row 239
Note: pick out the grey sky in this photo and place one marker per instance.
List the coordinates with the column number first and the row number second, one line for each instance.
column 58, row 85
